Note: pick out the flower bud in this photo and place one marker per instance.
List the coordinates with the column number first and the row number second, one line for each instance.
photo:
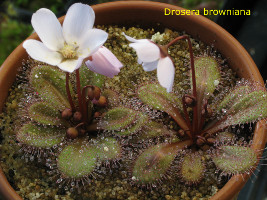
column 97, row 92
column 102, row 102
column 77, row 116
column 66, row 113
column 190, row 101
column 90, row 93
column 72, row 133
column 104, row 62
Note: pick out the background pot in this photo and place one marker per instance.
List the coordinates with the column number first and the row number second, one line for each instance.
column 151, row 14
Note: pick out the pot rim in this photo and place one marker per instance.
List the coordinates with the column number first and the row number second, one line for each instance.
column 234, row 185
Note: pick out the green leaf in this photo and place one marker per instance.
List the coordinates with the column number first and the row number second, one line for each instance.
column 207, row 76
column 40, row 136
column 77, row 160
column 108, row 148
column 152, row 164
column 118, row 118
column 50, row 83
column 154, row 129
column 192, row 168
column 88, row 77
column 225, row 137
column 235, row 159
column 248, row 107
column 157, row 97
column 44, row 113
column 234, row 97
column 139, row 122
column 112, row 97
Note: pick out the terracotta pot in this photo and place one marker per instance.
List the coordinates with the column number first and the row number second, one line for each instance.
column 151, row 14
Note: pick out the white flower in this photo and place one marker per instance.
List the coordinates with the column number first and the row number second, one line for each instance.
column 65, row 46
column 150, row 56
column 104, row 62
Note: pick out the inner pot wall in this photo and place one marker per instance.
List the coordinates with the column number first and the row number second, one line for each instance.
column 151, row 14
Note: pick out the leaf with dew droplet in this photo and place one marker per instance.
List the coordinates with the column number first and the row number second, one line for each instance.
column 44, row 113
column 112, row 97
column 249, row 107
column 137, row 124
column 88, row 77
column 235, row 159
column 76, row 160
column 40, row 136
column 207, row 76
column 153, row 164
column 108, row 148
column 118, row 118
column 157, row 97
column 150, row 92
column 233, row 97
column 154, row 129
column 50, row 83
column 192, row 168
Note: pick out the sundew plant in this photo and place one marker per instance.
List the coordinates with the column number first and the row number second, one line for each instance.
column 79, row 127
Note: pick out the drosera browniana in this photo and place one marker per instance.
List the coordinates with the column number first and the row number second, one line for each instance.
column 158, row 130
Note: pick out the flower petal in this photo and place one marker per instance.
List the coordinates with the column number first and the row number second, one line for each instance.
column 70, row 65
column 38, row 51
column 93, row 39
column 132, row 39
column 129, row 38
column 79, row 19
column 48, row 28
column 146, row 51
column 104, row 62
column 165, row 72
column 150, row 66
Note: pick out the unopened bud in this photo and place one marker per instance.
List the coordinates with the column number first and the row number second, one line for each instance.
column 90, row 93
column 66, row 113
column 77, row 116
column 97, row 92
column 190, row 101
column 102, row 102
column 72, row 133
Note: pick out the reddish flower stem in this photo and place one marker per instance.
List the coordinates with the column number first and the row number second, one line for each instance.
column 68, row 91
column 85, row 103
column 78, row 87
column 195, row 111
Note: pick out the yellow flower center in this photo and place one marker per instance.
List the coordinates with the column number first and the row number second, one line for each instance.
column 68, row 51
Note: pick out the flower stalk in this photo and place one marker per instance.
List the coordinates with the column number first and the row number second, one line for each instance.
column 68, row 91
column 194, row 128
column 78, row 87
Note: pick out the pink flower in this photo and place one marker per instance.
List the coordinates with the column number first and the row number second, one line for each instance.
column 104, row 62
